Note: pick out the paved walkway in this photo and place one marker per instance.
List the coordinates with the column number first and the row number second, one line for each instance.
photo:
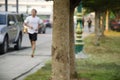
column 15, row 65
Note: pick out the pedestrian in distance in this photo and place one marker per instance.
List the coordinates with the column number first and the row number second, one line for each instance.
column 89, row 24
column 33, row 24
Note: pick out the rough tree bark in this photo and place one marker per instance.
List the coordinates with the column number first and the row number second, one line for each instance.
column 63, row 56
column 73, row 72
column 60, row 42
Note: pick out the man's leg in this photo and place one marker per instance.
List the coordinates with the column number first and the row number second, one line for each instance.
column 33, row 48
column 30, row 37
column 89, row 27
column 33, row 38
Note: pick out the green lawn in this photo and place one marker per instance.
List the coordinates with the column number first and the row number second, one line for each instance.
column 103, row 62
column 42, row 74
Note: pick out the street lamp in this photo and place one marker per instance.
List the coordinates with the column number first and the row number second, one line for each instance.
column 78, row 40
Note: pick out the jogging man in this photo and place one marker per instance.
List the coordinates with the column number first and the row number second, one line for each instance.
column 89, row 24
column 33, row 23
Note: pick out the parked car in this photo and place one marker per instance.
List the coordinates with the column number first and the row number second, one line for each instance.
column 11, row 26
column 115, row 25
column 43, row 28
column 47, row 23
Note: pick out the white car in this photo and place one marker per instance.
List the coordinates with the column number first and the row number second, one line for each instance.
column 11, row 27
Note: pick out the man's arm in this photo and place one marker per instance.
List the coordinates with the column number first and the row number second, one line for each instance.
column 39, row 26
column 39, row 23
column 26, row 24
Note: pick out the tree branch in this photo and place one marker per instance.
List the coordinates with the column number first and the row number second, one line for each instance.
column 75, row 3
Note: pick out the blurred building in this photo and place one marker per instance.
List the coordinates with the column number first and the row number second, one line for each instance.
column 25, row 6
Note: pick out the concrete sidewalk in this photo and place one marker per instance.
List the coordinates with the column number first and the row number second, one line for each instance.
column 43, row 54
column 16, row 65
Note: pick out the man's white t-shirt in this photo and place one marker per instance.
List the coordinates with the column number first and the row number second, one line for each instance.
column 34, row 22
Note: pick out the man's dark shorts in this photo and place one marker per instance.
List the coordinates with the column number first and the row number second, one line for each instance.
column 33, row 37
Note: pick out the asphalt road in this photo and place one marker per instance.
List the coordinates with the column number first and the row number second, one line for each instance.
column 15, row 64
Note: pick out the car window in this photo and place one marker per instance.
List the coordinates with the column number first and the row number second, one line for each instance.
column 11, row 18
column 2, row 19
column 19, row 18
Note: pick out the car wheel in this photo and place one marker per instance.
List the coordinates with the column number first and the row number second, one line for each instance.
column 43, row 32
column 39, row 31
column 18, row 44
column 4, row 46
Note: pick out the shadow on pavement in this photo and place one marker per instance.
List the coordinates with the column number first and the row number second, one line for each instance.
column 12, row 50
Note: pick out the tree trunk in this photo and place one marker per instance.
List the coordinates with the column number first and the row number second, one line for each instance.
column 97, row 28
column 60, row 38
column 73, row 73
column 102, row 26
column 107, row 20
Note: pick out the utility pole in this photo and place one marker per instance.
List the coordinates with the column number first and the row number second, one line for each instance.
column 6, row 5
column 17, row 6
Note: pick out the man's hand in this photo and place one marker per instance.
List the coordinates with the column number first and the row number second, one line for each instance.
column 30, row 27
column 39, row 26
column 36, row 29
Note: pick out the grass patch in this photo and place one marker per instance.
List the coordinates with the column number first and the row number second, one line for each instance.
column 103, row 62
column 42, row 74
column 109, row 44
